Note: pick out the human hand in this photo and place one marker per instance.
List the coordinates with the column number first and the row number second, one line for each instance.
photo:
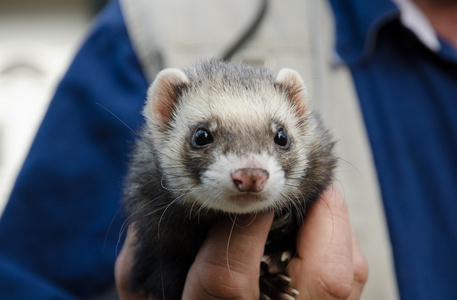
column 329, row 263
column 213, row 274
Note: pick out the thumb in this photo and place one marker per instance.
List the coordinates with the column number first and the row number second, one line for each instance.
column 228, row 263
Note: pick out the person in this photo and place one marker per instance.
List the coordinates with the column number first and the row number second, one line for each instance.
column 59, row 231
column 403, row 59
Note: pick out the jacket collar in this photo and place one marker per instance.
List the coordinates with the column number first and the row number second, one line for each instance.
column 414, row 19
column 358, row 23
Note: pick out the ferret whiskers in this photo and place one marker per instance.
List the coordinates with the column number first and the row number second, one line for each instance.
column 228, row 245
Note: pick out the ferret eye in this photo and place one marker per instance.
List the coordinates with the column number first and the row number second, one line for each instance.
column 281, row 138
column 201, row 138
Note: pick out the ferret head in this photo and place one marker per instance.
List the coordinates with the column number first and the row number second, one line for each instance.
column 233, row 138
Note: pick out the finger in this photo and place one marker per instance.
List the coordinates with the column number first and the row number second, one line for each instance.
column 228, row 263
column 360, row 269
column 323, row 268
column 123, row 265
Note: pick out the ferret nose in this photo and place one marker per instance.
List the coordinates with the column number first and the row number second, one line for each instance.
column 250, row 179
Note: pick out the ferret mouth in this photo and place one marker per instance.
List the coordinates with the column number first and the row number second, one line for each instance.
column 245, row 199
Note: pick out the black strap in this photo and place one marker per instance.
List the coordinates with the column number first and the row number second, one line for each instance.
column 249, row 32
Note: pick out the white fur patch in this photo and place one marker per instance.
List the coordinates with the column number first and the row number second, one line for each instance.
column 219, row 192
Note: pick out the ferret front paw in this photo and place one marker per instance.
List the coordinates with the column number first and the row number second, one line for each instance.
column 274, row 284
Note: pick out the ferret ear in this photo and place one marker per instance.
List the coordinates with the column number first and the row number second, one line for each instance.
column 289, row 82
column 163, row 95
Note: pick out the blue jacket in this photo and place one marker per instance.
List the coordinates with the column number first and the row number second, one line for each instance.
column 59, row 231
column 408, row 97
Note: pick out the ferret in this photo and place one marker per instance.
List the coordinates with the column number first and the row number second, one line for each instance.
column 222, row 139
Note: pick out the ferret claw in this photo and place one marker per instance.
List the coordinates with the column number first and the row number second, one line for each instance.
column 266, row 259
column 284, row 278
column 292, row 291
column 286, row 255
column 287, row 297
column 264, row 297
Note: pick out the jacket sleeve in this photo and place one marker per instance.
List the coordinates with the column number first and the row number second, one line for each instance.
column 59, row 232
